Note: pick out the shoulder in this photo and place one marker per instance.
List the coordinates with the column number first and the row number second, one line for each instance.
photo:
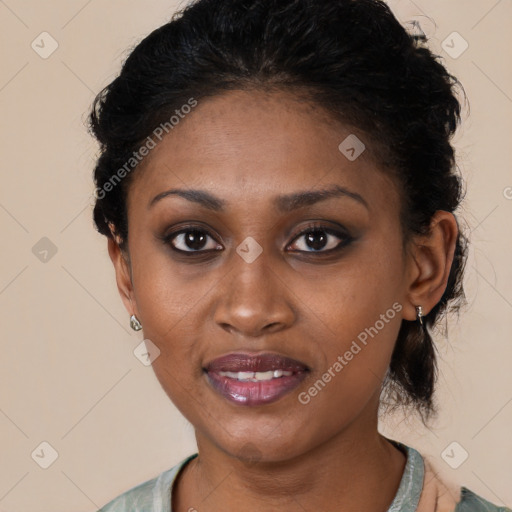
column 150, row 496
column 471, row 502
column 441, row 495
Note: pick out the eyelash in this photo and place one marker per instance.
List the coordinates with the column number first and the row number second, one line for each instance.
column 313, row 228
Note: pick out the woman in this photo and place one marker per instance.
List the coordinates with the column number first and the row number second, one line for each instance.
column 276, row 182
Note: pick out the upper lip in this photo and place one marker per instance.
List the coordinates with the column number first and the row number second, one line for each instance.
column 261, row 362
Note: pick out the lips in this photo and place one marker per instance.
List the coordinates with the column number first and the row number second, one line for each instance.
column 255, row 363
column 254, row 379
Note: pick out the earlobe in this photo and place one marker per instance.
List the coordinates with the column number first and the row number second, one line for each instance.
column 431, row 261
column 123, row 275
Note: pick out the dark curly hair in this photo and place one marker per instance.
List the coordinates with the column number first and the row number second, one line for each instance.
column 350, row 57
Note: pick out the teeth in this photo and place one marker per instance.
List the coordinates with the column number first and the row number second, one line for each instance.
column 245, row 375
column 264, row 375
column 256, row 376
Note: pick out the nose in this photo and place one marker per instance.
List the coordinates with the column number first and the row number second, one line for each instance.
column 254, row 299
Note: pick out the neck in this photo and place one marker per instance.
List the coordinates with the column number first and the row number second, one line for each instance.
column 336, row 474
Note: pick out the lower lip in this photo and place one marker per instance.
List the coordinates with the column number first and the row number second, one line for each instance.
column 254, row 393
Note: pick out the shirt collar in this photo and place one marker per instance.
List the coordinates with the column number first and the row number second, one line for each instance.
column 411, row 484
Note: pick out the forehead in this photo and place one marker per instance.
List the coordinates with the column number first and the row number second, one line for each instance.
column 257, row 144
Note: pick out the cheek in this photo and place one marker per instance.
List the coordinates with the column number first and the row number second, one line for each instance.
column 362, row 287
column 356, row 365
column 360, row 314
column 167, row 306
column 163, row 293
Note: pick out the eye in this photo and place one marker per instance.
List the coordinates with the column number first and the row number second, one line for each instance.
column 319, row 238
column 191, row 240
column 314, row 239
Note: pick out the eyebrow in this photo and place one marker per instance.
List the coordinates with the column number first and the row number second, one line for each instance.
column 284, row 203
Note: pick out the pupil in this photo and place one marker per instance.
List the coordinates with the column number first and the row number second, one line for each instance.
column 319, row 235
column 195, row 239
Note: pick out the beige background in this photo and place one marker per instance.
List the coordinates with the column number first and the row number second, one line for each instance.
column 68, row 375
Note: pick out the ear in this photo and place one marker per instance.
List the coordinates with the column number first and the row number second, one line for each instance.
column 123, row 275
column 430, row 264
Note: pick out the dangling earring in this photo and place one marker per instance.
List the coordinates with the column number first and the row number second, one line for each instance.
column 135, row 324
column 419, row 314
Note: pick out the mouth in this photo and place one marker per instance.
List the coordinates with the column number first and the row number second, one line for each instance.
column 254, row 379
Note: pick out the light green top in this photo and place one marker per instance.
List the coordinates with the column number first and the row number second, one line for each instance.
column 155, row 494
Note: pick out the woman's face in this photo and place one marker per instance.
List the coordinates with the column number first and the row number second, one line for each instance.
column 226, row 271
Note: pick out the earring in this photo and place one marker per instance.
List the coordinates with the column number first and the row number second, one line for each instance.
column 419, row 314
column 135, row 324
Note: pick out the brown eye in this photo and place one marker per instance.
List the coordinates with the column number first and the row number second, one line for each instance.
column 320, row 239
column 191, row 240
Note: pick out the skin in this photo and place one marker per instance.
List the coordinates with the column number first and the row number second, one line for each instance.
column 247, row 147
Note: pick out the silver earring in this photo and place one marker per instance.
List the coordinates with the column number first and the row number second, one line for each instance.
column 135, row 324
column 419, row 314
